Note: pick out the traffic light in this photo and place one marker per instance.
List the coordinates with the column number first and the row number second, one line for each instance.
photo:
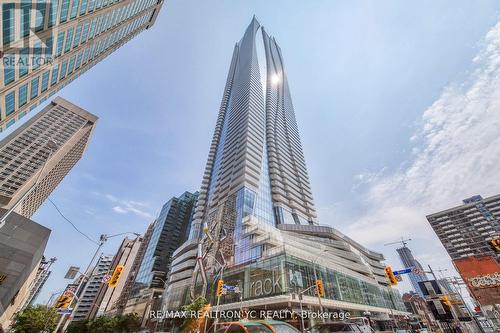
column 390, row 276
column 320, row 288
column 63, row 302
column 116, row 276
column 495, row 244
column 445, row 300
column 220, row 287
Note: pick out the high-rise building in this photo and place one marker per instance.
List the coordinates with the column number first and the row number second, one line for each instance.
column 107, row 298
column 256, row 209
column 47, row 44
column 19, row 262
column 417, row 274
column 90, row 292
column 466, row 229
column 36, row 157
column 170, row 230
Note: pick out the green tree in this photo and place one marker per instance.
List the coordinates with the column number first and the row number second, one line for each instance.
column 191, row 324
column 36, row 319
column 128, row 323
column 80, row 326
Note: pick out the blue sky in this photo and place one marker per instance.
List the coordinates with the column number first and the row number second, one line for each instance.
column 397, row 104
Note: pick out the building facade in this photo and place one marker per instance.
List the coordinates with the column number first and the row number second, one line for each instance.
column 19, row 262
column 36, row 157
column 255, row 224
column 170, row 230
column 88, row 297
column 417, row 274
column 106, row 302
column 36, row 286
column 47, row 44
column 465, row 230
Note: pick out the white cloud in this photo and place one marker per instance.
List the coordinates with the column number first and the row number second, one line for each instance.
column 122, row 206
column 456, row 155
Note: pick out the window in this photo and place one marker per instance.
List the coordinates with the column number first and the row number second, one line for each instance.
column 85, row 32
column 25, row 18
column 34, row 87
column 10, row 102
column 71, row 65
column 55, row 74
column 49, row 44
column 45, row 81
column 69, row 38
column 23, row 62
column 52, row 12
column 78, row 33
column 9, row 65
column 74, row 8
column 63, row 69
column 37, row 55
column 23, row 95
column 64, row 11
column 60, row 43
column 40, row 16
column 8, row 23
column 91, row 5
column 79, row 60
column 83, row 7
column 92, row 28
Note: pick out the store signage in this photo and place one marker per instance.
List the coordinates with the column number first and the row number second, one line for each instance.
column 485, row 281
column 268, row 284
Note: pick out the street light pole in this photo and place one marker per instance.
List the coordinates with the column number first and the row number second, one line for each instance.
column 102, row 239
column 52, row 145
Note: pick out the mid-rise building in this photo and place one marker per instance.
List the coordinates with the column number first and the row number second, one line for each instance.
column 106, row 302
column 19, row 262
column 47, row 44
column 465, row 230
column 417, row 274
column 36, row 286
column 256, row 210
column 36, row 157
column 90, row 292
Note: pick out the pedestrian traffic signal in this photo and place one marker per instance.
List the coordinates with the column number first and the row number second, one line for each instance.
column 320, row 288
column 390, row 276
column 220, row 287
column 63, row 302
column 495, row 244
column 116, row 276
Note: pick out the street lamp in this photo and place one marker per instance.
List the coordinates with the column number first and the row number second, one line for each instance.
column 52, row 145
column 102, row 239
column 313, row 261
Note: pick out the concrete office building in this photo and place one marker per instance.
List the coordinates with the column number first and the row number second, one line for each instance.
column 107, row 299
column 257, row 210
column 39, row 154
column 465, row 230
column 90, row 292
column 47, row 44
column 408, row 260
column 19, row 262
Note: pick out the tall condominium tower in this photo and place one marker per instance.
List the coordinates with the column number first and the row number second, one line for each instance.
column 36, row 157
column 256, row 209
column 416, row 276
column 46, row 44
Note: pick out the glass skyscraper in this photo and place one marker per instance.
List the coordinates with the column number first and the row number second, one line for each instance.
column 255, row 223
column 45, row 44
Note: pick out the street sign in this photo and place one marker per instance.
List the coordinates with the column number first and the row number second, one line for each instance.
column 403, row 271
column 106, row 278
column 64, row 310
column 399, row 278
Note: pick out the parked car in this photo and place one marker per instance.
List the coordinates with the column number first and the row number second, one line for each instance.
column 336, row 327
